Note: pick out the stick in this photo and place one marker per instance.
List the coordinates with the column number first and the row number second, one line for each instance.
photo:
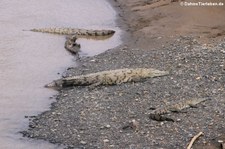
column 223, row 145
column 193, row 139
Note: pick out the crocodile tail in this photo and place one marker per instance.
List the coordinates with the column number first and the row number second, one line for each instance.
column 85, row 32
column 104, row 32
column 61, row 31
column 158, row 117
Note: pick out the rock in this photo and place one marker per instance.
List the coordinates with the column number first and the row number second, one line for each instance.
column 106, row 140
column 107, row 126
column 83, row 142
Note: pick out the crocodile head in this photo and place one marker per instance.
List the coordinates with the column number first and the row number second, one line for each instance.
column 157, row 73
column 56, row 84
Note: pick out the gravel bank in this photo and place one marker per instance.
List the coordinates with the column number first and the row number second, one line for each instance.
column 88, row 118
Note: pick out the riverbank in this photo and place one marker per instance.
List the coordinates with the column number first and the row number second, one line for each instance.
column 96, row 118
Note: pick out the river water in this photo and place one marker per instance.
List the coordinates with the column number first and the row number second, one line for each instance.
column 29, row 60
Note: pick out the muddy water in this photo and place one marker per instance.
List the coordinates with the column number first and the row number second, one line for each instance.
column 29, row 60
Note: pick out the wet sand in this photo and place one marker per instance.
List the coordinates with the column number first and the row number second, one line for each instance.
column 148, row 21
column 163, row 36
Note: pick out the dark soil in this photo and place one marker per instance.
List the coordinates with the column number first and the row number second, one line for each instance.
column 83, row 118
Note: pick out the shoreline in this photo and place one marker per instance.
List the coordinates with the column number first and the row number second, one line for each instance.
column 94, row 119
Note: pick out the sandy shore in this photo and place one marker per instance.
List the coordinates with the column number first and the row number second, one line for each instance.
column 160, row 35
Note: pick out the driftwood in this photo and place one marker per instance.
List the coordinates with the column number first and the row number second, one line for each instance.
column 193, row 139
column 223, row 145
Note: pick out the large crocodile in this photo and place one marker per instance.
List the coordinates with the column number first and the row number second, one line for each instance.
column 74, row 31
column 109, row 77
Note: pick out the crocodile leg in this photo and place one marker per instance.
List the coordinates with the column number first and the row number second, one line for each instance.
column 93, row 86
column 158, row 117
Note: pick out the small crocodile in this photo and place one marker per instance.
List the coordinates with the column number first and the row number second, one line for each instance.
column 174, row 107
column 110, row 77
column 71, row 44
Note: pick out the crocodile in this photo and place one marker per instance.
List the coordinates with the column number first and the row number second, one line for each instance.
column 71, row 44
column 74, row 31
column 110, row 77
column 73, row 34
column 174, row 107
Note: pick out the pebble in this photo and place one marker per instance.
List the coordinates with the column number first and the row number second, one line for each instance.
column 198, row 78
column 83, row 142
column 178, row 120
column 223, row 51
column 107, row 126
column 214, row 91
column 106, row 140
column 179, row 65
column 211, row 124
column 93, row 60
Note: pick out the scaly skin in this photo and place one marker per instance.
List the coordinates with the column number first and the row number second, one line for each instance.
column 175, row 107
column 74, row 31
column 110, row 77
column 71, row 45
